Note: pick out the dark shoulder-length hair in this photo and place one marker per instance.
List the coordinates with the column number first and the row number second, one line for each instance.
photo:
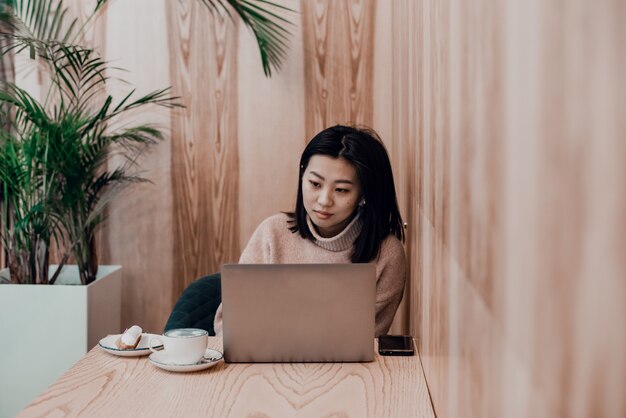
column 380, row 215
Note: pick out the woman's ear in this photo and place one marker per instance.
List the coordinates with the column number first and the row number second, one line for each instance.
column 362, row 202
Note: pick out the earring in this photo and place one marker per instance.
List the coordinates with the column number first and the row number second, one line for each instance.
column 362, row 203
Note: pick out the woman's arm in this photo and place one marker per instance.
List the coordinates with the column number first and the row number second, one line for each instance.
column 257, row 251
column 391, row 277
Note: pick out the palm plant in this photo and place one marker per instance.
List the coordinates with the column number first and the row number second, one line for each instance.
column 27, row 220
column 54, row 161
column 54, row 176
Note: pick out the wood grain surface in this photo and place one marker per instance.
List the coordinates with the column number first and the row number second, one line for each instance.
column 338, row 62
column 516, row 110
column 104, row 385
column 203, row 68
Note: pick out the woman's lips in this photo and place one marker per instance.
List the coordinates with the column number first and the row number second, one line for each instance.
column 323, row 215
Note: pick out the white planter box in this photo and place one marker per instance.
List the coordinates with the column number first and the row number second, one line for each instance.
column 44, row 330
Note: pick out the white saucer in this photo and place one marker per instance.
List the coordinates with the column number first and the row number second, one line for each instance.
column 210, row 359
column 109, row 344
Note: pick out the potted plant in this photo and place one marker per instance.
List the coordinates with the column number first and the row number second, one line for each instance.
column 56, row 179
column 55, row 182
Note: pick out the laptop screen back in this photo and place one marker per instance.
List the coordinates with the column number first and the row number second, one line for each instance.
column 298, row 312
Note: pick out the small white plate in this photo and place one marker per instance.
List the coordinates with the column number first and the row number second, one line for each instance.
column 210, row 359
column 109, row 344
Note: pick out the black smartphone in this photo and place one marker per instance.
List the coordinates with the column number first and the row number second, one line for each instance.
column 395, row 345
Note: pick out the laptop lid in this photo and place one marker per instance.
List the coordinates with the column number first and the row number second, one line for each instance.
column 298, row 312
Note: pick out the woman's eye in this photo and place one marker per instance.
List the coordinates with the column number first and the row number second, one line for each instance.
column 314, row 183
column 342, row 190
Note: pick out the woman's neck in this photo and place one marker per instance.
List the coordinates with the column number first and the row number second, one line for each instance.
column 339, row 242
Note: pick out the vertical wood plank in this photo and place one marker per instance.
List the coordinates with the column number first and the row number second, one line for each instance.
column 204, row 156
column 520, row 122
column 404, row 140
column 386, row 74
column 338, row 54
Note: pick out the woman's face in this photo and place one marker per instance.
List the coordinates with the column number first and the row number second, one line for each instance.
column 331, row 192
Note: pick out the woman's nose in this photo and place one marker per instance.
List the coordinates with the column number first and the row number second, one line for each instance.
column 324, row 198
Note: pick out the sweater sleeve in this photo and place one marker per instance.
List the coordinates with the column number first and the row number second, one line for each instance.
column 257, row 251
column 391, row 275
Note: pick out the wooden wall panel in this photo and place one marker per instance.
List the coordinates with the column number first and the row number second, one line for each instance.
column 574, row 82
column 517, row 112
column 397, row 142
column 338, row 61
column 407, row 101
column 204, row 158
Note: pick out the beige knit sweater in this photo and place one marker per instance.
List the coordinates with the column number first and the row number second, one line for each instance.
column 273, row 243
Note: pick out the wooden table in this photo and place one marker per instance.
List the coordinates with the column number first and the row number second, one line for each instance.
column 103, row 385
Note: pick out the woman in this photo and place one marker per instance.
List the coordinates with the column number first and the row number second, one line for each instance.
column 346, row 211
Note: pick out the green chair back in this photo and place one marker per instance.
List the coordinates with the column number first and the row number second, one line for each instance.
column 197, row 305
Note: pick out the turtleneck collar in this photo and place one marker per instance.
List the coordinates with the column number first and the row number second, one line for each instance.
column 340, row 242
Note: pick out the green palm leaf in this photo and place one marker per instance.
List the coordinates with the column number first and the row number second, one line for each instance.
column 258, row 15
column 35, row 24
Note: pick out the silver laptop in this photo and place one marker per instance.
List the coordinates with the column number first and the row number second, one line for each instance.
column 298, row 312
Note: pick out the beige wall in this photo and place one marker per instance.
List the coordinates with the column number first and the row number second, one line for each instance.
column 506, row 129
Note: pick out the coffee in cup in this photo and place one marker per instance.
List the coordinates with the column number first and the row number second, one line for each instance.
column 182, row 345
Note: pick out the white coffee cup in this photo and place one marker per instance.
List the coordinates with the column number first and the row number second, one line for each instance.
column 182, row 345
